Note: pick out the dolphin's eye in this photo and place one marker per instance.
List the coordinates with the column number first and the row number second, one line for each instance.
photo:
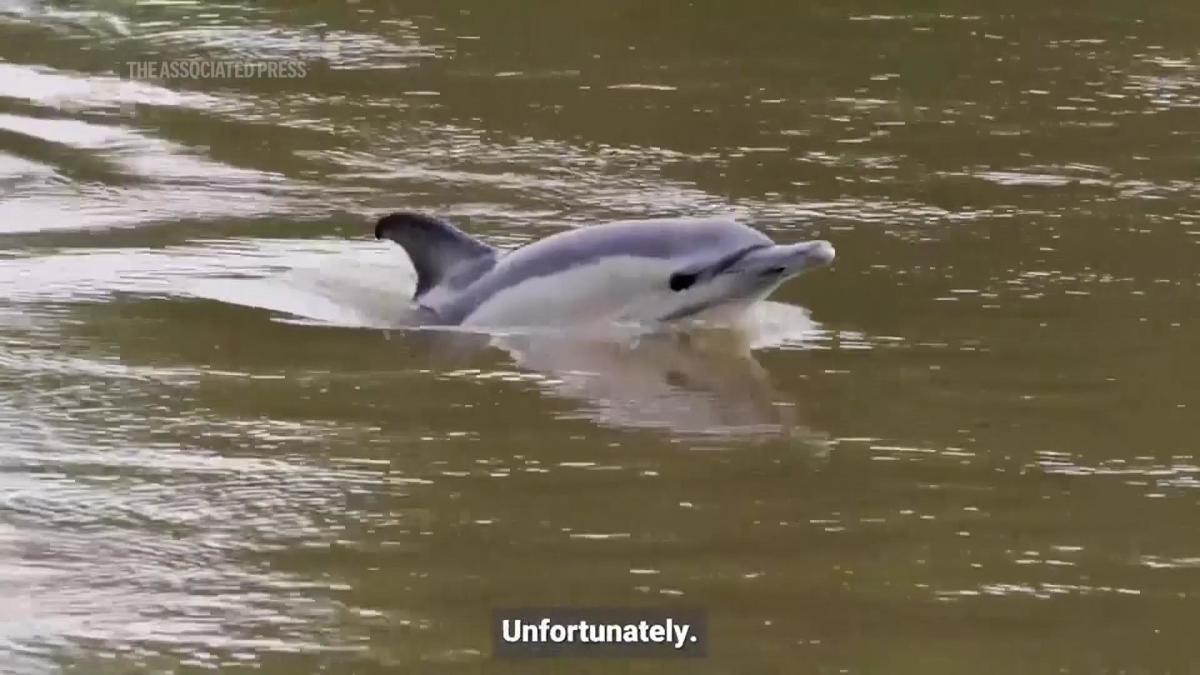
column 773, row 271
column 681, row 281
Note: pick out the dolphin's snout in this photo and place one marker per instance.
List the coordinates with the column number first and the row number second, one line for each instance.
column 788, row 259
column 821, row 252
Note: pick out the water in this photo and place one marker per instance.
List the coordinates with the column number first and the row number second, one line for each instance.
column 968, row 447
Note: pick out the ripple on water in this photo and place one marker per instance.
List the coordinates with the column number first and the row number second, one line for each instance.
column 124, row 539
column 163, row 181
column 337, row 49
column 61, row 90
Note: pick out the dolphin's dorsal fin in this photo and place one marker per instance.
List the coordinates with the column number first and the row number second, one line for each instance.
column 438, row 250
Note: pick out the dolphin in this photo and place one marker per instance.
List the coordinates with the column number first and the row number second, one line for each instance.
column 641, row 271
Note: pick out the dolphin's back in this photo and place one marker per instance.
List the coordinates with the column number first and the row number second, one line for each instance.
column 675, row 238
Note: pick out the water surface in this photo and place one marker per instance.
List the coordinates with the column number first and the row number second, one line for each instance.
column 968, row 447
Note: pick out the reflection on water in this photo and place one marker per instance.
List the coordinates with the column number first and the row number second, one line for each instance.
column 694, row 384
column 222, row 446
column 659, row 381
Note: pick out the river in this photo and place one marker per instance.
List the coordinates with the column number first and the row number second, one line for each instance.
column 968, row 446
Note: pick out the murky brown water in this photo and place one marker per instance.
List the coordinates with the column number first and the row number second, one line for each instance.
column 969, row 447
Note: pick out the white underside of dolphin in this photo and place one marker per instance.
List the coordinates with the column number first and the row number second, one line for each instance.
column 627, row 272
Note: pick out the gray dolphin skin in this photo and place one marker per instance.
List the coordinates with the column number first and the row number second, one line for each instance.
column 646, row 270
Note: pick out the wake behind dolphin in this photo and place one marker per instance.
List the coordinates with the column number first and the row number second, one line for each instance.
column 644, row 271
